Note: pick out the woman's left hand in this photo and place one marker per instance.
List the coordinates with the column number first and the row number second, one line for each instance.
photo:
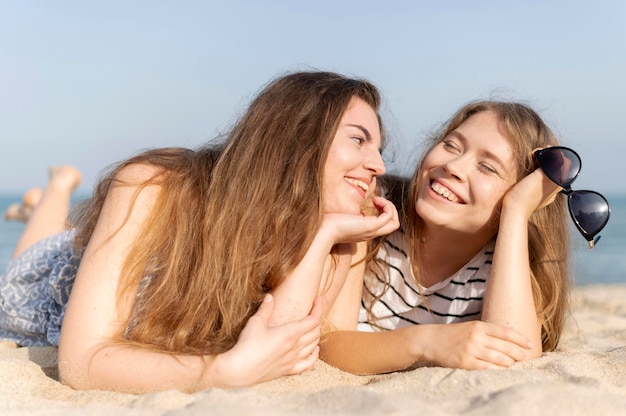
column 346, row 228
column 533, row 192
column 264, row 352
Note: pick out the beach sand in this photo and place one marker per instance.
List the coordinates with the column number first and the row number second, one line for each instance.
column 585, row 376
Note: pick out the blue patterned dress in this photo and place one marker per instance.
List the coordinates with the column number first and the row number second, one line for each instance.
column 35, row 289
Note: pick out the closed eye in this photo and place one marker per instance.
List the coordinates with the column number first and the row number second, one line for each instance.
column 451, row 146
column 487, row 168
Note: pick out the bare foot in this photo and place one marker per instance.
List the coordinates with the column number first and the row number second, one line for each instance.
column 32, row 197
column 17, row 212
column 22, row 211
column 61, row 178
column 64, row 177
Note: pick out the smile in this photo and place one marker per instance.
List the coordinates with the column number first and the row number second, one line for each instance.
column 359, row 183
column 444, row 192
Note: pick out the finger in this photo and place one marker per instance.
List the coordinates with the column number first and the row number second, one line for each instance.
column 387, row 207
column 506, row 351
column 266, row 308
column 384, row 205
column 307, row 348
column 509, row 335
column 387, row 220
column 306, row 363
column 307, row 335
column 496, row 359
column 309, row 325
column 486, row 365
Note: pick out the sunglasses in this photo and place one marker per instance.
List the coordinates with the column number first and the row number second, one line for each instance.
column 589, row 210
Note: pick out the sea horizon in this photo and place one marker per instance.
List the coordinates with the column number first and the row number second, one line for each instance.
column 604, row 264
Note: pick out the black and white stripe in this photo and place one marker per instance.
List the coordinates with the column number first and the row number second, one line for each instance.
column 456, row 299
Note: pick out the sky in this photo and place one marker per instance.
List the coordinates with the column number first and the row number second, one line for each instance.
column 90, row 83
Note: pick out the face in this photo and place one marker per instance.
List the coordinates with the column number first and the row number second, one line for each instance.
column 354, row 160
column 465, row 177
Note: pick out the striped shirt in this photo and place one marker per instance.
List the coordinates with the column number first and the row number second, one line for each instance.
column 456, row 299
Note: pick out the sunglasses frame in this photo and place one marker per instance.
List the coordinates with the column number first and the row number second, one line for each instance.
column 567, row 190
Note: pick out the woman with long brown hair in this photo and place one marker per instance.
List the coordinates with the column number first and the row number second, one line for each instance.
column 212, row 267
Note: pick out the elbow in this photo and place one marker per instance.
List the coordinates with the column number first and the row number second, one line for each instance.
column 534, row 353
column 71, row 374
column 73, row 371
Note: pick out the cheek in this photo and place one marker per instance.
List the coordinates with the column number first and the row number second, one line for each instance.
column 422, row 189
column 331, row 197
column 493, row 196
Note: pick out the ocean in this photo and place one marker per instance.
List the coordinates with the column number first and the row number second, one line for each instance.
column 606, row 263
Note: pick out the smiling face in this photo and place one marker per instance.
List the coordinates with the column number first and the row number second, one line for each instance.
column 354, row 160
column 464, row 177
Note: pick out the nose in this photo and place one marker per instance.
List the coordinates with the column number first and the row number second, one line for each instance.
column 374, row 163
column 455, row 167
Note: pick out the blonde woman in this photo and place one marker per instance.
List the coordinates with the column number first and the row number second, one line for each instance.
column 477, row 277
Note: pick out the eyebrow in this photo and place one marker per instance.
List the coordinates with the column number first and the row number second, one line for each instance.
column 366, row 133
column 486, row 152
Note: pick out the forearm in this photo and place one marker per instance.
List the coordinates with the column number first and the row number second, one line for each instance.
column 370, row 352
column 509, row 297
column 136, row 370
column 295, row 295
column 318, row 272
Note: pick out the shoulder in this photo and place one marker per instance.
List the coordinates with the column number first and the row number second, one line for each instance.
column 137, row 173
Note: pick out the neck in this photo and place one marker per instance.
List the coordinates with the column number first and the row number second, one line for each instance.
column 445, row 252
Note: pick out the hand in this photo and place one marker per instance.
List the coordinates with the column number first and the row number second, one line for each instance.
column 348, row 228
column 263, row 353
column 474, row 345
column 533, row 192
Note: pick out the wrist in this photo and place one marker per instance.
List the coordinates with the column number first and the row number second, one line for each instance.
column 327, row 235
column 417, row 349
column 219, row 372
column 514, row 213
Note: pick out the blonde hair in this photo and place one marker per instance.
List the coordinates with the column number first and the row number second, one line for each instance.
column 231, row 222
column 548, row 237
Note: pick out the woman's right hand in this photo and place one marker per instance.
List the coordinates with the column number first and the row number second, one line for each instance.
column 347, row 228
column 263, row 352
column 473, row 345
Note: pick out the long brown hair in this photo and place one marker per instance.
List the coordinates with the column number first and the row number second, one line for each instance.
column 548, row 238
column 231, row 222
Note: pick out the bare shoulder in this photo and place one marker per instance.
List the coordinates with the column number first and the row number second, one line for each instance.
column 132, row 194
column 137, row 173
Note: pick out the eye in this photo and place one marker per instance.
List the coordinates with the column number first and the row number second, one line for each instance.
column 485, row 167
column 450, row 145
column 358, row 139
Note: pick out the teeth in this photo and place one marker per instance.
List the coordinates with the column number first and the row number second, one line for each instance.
column 358, row 183
column 444, row 192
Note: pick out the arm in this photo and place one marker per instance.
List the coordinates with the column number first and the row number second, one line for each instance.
column 88, row 359
column 319, row 274
column 467, row 345
column 509, row 298
column 344, row 312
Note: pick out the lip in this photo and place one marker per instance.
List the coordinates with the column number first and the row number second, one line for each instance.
column 440, row 184
column 360, row 184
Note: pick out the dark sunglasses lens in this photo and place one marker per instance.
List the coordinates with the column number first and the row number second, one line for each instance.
column 590, row 211
column 560, row 164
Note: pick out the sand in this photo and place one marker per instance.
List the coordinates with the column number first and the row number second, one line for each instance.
column 586, row 375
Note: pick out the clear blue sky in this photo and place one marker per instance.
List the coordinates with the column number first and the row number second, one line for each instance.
column 91, row 82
